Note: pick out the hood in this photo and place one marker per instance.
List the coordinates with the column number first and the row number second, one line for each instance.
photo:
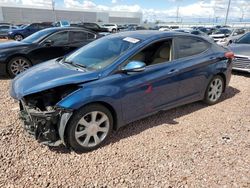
column 240, row 49
column 217, row 35
column 48, row 75
column 12, row 44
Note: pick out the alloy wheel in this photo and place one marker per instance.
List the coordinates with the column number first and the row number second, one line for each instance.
column 215, row 90
column 19, row 65
column 92, row 129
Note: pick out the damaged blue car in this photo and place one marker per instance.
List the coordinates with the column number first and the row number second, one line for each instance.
column 79, row 99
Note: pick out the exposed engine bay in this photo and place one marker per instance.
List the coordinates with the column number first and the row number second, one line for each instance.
column 41, row 116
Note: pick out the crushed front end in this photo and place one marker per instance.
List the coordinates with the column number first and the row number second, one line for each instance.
column 42, row 118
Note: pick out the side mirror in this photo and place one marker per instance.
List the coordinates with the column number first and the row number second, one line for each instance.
column 134, row 66
column 48, row 43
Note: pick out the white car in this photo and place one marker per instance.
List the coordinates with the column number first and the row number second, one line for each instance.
column 111, row 27
column 164, row 29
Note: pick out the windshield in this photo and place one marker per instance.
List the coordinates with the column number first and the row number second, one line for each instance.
column 36, row 37
column 222, row 31
column 245, row 39
column 102, row 52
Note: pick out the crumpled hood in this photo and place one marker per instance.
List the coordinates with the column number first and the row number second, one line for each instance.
column 240, row 49
column 46, row 76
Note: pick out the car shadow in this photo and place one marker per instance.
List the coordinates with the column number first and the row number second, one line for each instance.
column 163, row 117
column 5, row 78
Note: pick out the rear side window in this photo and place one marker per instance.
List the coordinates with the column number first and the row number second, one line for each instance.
column 78, row 36
column 186, row 47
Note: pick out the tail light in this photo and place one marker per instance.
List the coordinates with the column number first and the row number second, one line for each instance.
column 229, row 55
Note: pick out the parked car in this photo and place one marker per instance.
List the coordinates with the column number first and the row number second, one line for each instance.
column 235, row 34
column 241, row 48
column 112, row 28
column 194, row 32
column 16, row 57
column 220, row 34
column 92, row 26
column 5, row 29
column 21, row 33
column 62, row 23
column 116, row 80
column 164, row 28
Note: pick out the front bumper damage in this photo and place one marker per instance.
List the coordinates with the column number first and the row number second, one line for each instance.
column 46, row 126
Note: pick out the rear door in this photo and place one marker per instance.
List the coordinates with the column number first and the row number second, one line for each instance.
column 193, row 56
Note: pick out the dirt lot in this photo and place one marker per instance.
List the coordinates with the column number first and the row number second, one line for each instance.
column 191, row 146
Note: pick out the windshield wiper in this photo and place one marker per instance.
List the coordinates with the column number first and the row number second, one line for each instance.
column 75, row 64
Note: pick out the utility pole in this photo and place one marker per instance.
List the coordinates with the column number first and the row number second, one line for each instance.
column 53, row 9
column 228, row 7
column 177, row 13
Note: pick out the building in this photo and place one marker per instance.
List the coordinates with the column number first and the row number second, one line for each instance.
column 21, row 14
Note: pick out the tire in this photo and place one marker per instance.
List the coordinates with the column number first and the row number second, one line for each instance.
column 214, row 90
column 17, row 65
column 82, row 135
column 18, row 37
column 113, row 30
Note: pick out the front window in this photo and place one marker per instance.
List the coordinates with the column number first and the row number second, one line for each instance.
column 102, row 52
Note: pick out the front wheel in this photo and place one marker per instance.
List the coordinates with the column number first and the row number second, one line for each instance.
column 17, row 65
column 89, row 128
column 214, row 90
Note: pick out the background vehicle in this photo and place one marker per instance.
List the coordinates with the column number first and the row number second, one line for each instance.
column 112, row 28
column 194, row 32
column 41, row 46
column 133, row 75
column 63, row 23
column 92, row 26
column 21, row 33
column 220, row 34
column 165, row 28
column 5, row 29
column 241, row 48
column 236, row 33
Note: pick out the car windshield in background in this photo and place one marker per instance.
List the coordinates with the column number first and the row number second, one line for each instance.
column 36, row 37
column 101, row 53
column 245, row 39
column 222, row 31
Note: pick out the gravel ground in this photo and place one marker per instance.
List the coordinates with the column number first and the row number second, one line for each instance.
column 191, row 146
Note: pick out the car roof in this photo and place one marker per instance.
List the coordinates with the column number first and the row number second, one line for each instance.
column 146, row 34
column 55, row 29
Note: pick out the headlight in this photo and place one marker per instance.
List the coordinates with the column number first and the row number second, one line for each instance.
column 10, row 32
column 224, row 40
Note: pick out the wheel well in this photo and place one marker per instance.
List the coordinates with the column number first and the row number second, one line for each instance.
column 224, row 79
column 110, row 108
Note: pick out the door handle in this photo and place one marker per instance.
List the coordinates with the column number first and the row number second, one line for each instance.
column 173, row 71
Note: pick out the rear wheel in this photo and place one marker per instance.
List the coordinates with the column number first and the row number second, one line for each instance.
column 89, row 128
column 17, row 65
column 214, row 90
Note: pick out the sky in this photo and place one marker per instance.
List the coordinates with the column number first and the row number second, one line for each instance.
column 154, row 9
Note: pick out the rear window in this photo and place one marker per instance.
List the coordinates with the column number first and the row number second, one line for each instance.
column 190, row 46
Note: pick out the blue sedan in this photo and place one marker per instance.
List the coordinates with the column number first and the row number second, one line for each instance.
column 79, row 99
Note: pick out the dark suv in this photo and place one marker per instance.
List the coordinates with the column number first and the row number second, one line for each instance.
column 21, row 33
